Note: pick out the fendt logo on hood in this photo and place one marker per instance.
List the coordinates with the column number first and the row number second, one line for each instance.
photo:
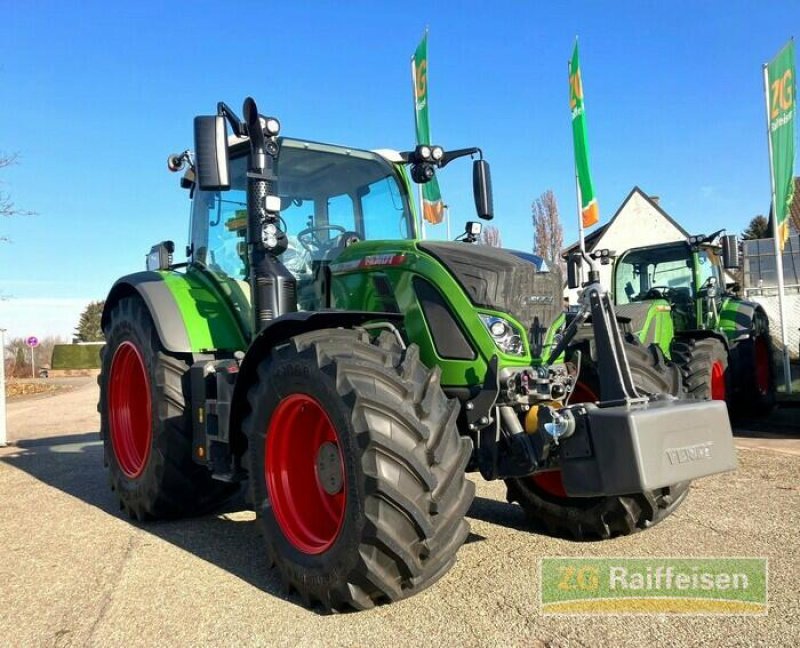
column 538, row 299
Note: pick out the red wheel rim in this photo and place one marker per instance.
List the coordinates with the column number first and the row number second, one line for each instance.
column 299, row 432
column 762, row 367
column 129, row 410
column 717, row 381
column 550, row 480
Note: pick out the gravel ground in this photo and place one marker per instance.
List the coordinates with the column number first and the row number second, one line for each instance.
column 73, row 571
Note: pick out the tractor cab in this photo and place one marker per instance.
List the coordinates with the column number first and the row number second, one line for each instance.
column 330, row 198
column 684, row 276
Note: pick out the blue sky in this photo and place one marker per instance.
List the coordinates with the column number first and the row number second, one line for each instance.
column 96, row 95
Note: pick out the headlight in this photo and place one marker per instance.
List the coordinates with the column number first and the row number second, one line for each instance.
column 506, row 336
column 272, row 126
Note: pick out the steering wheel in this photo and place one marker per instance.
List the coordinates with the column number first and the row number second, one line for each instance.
column 709, row 284
column 657, row 292
column 310, row 240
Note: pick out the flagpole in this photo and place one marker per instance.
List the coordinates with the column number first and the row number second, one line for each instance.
column 419, row 186
column 423, row 234
column 581, row 238
column 787, row 372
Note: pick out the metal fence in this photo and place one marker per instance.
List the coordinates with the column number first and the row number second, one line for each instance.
column 760, row 280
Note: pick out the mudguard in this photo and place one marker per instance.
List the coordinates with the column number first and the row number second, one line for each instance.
column 650, row 321
column 188, row 311
column 736, row 318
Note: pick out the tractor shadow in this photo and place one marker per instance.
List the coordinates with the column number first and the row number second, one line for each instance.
column 782, row 423
column 500, row 513
column 226, row 538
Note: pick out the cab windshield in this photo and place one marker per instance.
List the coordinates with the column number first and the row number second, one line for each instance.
column 666, row 271
column 330, row 197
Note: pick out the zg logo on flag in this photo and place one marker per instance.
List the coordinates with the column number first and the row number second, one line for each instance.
column 575, row 93
column 421, row 77
column 781, row 91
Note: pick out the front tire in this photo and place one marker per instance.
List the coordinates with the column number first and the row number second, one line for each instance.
column 356, row 469
column 145, row 425
column 544, row 500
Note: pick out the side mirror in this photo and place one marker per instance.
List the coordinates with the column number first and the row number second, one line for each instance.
column 573, row 271
column 730, row 251
column 482, row 189
column 211, row 153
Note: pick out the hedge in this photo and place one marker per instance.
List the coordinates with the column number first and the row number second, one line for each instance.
column 76, row 356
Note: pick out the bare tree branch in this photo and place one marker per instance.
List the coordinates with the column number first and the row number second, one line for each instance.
column 7, row 206
column 8, row 159
column 548, row 234
column 491, row 236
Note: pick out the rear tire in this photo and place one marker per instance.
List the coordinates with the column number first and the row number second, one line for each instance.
column 704, row 366
column 757, row 375
column 145, row 426
column 356, row 469
column 544, row 500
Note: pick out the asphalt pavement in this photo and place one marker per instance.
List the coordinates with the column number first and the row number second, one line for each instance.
column 75, row 572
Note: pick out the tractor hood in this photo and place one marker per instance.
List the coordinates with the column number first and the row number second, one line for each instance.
column 498, row 280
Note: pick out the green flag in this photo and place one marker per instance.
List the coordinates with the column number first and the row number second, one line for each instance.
column 781, row 89
column 432, row 206
column 590, row 212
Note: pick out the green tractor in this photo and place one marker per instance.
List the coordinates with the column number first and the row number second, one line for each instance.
column 352, row 373
column 675, row 295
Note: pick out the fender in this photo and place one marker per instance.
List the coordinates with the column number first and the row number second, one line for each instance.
column 650, row 321
column 189, row 312
column 278, row 331
column 740, row 319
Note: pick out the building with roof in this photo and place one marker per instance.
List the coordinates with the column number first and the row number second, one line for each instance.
column 640, row 220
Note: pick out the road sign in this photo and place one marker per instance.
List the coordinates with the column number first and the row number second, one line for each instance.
column 32, row 341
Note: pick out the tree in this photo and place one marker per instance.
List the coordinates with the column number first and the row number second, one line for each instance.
column 88, row 329
column 758, row 228
column 7, row 207
column 491, row 236
column 548, row 235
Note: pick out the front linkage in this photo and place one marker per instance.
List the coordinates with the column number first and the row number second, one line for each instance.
column 627, row 442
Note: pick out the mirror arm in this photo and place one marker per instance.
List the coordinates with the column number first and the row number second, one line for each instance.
column 409, row 157
column 449, row 156
column 237, row 126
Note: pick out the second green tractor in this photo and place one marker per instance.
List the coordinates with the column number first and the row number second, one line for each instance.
column 676, row 295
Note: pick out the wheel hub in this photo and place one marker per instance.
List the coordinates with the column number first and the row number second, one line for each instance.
column 329, row 468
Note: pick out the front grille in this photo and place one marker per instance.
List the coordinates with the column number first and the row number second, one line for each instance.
column 498, row 280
